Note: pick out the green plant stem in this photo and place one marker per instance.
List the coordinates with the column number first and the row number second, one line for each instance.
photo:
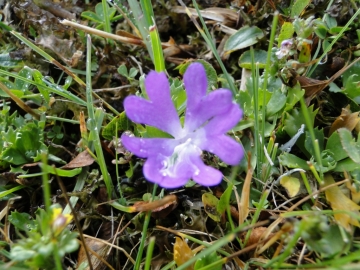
column 46, row 186
column 144, row 234
column 307, row 185
column 159, row 61
column 105, row 7
column 95, row 122
column 142, row 24
column 76, row 122
column 216, row 265
column 149, row 253
column 170, row 265
column 315, row 142
column 57, row 259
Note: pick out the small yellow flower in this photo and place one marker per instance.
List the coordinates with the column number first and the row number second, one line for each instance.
column 59, row 221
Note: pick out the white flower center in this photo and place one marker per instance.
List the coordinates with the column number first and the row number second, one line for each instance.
column 181, row 156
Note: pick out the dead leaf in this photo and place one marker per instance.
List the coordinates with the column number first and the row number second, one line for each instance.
column 96, row 247
column 294, row 185
column 255, row 236
column 313, row 87
column 182, row 252
column 82, row 160
column 345, row 120
column 338, row 201
column 158, row 205
column 291, row 185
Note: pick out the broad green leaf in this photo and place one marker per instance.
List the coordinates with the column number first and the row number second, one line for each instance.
column 122, row 70
column 14, row 156
column 8, row 84
column 243, row 38
column 122, row 122
column 245, row 101
column 153, row 132
column 133, row 72
column 336, row 30
column 178, row 96
column 89, row 15
column 286, row 32
column 19, row 84
column 211, row 206
column 27, row 146
column 334, row 145
column 22, row 221
column 209, row 259
column 100, row 12
column 293, row 96
column 224, row 201
column 324, row 238
column 276, row 103
column 292, row 161
column 346, row 165
column 261, row 97
column 351, row 147
column 298, row 7
column 38, row 77
column 260, row 57
column 321, row 29
column 352, row 88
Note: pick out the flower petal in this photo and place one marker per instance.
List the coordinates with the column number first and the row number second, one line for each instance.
column 159, row 111
column 206, row 175
column 195, row 82
column 145, row 147
column 222, row 123
column 217, row 102
column 154, row 166
column 226, row 148
column 176, row 170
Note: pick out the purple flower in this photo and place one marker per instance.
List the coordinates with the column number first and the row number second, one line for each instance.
column 284, row 48
column 171, row 162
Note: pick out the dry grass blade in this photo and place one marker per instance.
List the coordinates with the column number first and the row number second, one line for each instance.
column 222, row 15
column 245, row 194
column 19, row 102
column 103, row 34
